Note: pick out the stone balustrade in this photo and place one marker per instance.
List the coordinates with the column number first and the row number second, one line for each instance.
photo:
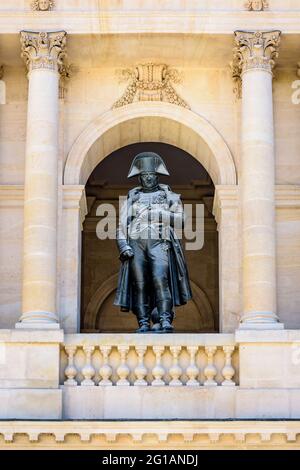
column 149, row 360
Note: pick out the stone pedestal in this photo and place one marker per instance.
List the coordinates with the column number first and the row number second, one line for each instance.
column 29, row 374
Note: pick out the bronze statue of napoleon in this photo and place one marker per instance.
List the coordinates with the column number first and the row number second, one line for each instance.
column 153, row 277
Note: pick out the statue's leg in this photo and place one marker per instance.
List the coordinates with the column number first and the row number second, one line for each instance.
column 155, row 320
column 139, row 275
column 159, row 265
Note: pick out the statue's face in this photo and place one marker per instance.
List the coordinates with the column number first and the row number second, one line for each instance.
column 44, row 5
column 257, row 5
column 149, row 180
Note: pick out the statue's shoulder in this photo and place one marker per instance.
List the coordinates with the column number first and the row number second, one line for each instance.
column 135, row 190
column 173, row 197
column 132, row 193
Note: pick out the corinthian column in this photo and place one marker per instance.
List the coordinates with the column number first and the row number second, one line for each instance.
column 44, row 55
column 255, row 53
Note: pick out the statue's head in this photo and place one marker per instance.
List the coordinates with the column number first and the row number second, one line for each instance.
column 148, row 179
column 43, row 5
column 148, row 165
column 257, row 5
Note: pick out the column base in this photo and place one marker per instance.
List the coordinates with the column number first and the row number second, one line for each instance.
column 261, row 326
column 36, row 326
column 38, row 320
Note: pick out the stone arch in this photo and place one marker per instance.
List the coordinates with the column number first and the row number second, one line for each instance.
column 98, row 298
column 109, row 285
column 150, row 122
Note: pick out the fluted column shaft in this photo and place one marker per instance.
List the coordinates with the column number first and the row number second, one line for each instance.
column 255, row 53
column 43, row 54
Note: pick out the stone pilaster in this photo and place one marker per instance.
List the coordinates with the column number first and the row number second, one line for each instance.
column 44, row 55
column 225, row 210
column 2, row 86
column 254, row 59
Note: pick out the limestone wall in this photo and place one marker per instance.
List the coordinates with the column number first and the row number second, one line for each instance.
column 11, row 245
column 93, row 91
column 13, row 127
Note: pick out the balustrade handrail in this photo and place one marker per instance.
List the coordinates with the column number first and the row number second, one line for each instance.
column 150, row 339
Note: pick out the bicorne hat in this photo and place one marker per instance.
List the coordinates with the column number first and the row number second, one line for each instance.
column 147, row 162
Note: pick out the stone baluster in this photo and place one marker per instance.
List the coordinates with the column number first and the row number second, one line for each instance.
column 175, row 371
column 228, row 370
column 254, row 58
column 210, row 370
column 88, row 371
column 123, row 370
column 70, row 371
column 141, row 371
column 158, row 371
column 105, row 370
column 44, row 54
column 192, row 370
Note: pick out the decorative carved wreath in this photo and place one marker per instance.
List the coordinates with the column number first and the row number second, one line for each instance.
column 150, row 82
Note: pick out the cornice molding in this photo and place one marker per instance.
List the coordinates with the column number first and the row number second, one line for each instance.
column 184, row 432
column 287, row 196
column 74, row 198
column 155, row 21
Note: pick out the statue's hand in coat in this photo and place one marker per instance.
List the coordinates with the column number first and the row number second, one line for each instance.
column 159, row 214
column 126, row 255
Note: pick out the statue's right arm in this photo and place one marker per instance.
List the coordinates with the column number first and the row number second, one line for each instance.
column 121, row 233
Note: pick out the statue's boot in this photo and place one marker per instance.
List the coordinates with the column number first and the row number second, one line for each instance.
column 156, row 328
column 143, row 318
column 143, row 329
column 165, row 322
column 155, row 317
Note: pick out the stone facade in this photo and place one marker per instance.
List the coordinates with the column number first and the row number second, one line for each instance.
column 218, row 81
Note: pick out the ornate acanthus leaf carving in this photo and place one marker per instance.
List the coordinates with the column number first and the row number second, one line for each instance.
column 236, row 77
column 65, row 74
column 41, row 50
column 42, row 5
column 254, row 50
column 257, row 5
column 150, row 82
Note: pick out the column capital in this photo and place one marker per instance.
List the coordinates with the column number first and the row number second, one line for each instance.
column 254, row 50
column 44, row 50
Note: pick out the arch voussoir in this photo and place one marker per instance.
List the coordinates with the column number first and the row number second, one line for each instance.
column 218, row 162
